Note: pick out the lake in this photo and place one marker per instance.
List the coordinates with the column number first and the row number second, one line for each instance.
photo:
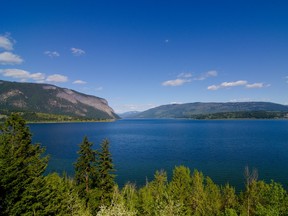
column 219, row 148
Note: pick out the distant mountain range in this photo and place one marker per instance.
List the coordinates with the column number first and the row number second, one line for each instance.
column 44, row 101
column 129, row 114
column 217, row 110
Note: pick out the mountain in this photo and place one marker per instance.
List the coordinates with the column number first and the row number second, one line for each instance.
column 130, row 114
column 202, row 110
column 45, row 99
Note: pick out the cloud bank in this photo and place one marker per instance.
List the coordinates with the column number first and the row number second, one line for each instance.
column 24, row 76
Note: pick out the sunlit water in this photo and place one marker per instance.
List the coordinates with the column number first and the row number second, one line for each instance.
column 219, row 148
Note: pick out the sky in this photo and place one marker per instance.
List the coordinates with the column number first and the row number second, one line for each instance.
column 139, row 54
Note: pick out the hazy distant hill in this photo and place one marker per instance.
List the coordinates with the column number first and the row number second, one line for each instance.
column 130, row 114
column 49, row 99
column 195, row 110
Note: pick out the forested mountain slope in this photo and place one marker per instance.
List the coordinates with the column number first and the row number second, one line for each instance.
column 50, row 99
column 191, row 110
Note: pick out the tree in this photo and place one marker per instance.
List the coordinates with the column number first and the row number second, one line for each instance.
column 93, row 175
column 106, row 178
column 146, row 200
column 197, row 193
column 85, row 168
column 266, row 199
column 180, row 187
column 251, row 178
column 21, row 164
column 130, row 196
column 212, row 204
column 229, row 198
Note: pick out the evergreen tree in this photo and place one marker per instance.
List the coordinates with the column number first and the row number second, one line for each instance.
column 130, row 196
column 146, row 200
column 180, row 187
column 21, row 164
column 85, row 168
column 106, row 177
column 198, row 194
column 212, row 204
column 229, row 198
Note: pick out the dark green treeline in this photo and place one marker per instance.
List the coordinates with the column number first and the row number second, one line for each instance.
column 24, row 190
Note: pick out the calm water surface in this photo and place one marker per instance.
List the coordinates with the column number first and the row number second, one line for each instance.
column 219, row 148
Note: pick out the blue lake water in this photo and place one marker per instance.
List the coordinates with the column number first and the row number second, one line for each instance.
column 219, row 148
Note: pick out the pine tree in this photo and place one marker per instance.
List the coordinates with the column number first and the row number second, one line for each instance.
column 21, row 164
column 106, row 177
column 85, row 168
column 180, row 187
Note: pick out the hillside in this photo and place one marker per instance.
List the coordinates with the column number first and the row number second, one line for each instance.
column 204, row 110
column 130, row 114
column 38, row 101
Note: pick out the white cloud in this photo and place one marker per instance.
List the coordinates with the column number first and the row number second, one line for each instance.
column 77, row 52
column 233, row 84
column 255, row 85
column 8, row 58
column 79, row 82
column 52, row 54
column 176, row 82
column 22, row 74
column 228, row 85
column 38, row 76
column 206, row 75
column 6, row 43
column 181, row 79
column 184, row 75
column 175, row 102
column 213, row 87
column 57, row 78
column 237, row 83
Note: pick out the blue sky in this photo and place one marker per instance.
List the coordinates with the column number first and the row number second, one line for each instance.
column 141, row 54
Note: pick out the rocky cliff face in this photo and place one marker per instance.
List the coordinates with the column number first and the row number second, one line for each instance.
column 44, row 98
